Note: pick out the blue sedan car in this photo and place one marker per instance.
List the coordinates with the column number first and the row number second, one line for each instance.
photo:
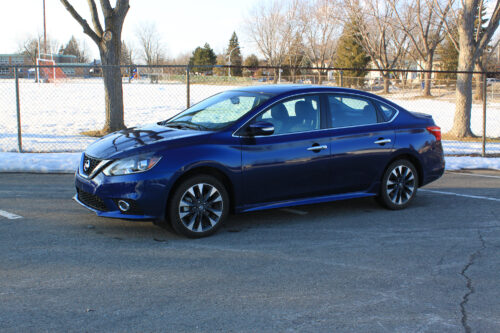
column 258, row 148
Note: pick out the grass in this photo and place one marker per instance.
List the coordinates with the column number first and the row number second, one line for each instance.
column 447, row 136
column 94, row 133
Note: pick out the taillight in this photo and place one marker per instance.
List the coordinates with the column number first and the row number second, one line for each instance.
column 436, row 131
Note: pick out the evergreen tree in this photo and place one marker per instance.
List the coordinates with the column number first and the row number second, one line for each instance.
column 448, row 56
column 236, row 59
column 203, row 56
column 350, row 54
column 73, row 48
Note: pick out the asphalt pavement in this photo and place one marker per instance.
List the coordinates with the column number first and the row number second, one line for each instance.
column 348, row 266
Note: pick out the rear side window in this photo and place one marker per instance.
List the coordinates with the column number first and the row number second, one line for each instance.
column 348, row 111
column 387, row 111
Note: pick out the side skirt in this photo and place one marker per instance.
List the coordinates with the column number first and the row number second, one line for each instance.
column 307, row 201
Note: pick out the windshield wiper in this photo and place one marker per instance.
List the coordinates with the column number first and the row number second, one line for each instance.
column 182, row 124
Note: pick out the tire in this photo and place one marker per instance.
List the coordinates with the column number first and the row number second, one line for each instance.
column 399, row 185
column 199, row 206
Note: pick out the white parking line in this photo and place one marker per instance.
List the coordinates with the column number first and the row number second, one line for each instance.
column 474, row 174
column 461, row 195
column 10, row 216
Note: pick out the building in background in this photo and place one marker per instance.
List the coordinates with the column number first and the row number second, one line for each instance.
column 67, row 62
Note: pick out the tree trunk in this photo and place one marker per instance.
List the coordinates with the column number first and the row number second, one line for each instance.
column 386, row 83
column 110, row 56
column 428, row 77
column 479, row 94
column 461, row 121
column 320, row 78
column 466, row 60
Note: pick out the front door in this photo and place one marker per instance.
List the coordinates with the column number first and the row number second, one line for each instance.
column 293, row 162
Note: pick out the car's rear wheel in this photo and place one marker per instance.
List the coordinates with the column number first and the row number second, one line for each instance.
column 199, row 206
column 399, row 185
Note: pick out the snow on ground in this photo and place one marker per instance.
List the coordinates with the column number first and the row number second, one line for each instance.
column 54, row 115
column 68, row 162
column 40, row 163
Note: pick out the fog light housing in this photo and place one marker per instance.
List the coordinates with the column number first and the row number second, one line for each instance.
column 123, row 205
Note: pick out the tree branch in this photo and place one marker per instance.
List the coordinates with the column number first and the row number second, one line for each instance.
column 107, row 10
column 121, row 10
column 95, row 18
column 490, row 29
column 86, row 28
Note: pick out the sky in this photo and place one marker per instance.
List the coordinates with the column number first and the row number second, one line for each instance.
column 182, row 24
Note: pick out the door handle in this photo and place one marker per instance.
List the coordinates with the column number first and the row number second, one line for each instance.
column 382, row 141
column 317, row 148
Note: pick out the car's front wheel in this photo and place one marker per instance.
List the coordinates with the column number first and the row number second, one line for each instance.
column 399, row 185
column 199, row 206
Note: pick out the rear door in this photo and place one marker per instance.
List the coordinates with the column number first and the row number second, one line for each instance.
column 362, row 140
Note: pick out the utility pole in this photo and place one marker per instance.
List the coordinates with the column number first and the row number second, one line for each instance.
column 44, row 31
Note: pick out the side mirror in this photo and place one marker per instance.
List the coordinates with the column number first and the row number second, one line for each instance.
column 260, row 128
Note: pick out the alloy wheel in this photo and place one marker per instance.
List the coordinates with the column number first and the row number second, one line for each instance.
column 400, row 185
column 201, row 207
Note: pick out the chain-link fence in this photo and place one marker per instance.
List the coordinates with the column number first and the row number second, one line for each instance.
column 59, row 108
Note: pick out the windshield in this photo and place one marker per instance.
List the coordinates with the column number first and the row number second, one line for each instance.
column 218, row 111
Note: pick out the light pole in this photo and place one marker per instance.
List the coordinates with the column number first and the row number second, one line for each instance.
column 44, row 30
column 229, row 68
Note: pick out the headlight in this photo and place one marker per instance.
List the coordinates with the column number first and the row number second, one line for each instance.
column 130, row 165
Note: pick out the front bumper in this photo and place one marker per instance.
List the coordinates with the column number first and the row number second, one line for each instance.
column 147, row 193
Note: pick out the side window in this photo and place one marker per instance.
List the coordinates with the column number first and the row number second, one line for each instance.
column 387, row 111
column 300, row 114
column 351, row 111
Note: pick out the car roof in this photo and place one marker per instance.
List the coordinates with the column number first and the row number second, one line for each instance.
column 285, row 89
column 278, row 89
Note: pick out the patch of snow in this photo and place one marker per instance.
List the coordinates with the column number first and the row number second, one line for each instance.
column 39, row 163
column 468, row 162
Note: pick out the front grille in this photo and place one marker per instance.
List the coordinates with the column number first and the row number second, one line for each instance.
column 91, row 200
column 89, row 164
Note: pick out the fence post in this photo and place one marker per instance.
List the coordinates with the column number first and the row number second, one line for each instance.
column 342, row 78
column 18, row 112
column 188, row 93
column 485, row 92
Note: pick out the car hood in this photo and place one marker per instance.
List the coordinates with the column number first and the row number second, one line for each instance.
column 137, row 140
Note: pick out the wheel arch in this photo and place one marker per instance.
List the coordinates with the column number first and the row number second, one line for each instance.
column 413, row 159
column 205, row 170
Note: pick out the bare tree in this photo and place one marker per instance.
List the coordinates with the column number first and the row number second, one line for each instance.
column 108, row 41
column 381, row 40
column 418, row 20
column 152, row 48
column 271, row 27
column 321, row 28
column 471, row 43
column 30, row 47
